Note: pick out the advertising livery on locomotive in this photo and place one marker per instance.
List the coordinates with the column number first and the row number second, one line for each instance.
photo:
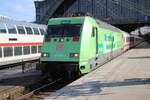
column 78, row 45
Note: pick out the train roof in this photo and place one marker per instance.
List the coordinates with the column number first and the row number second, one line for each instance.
column 99, row 22
column 107, row 26
column 125, row 33
column 136, row 36
column 5, row 20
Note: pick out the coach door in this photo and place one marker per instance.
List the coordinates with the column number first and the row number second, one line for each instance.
column 94, row 48
column 95, row 40
column 96, row 37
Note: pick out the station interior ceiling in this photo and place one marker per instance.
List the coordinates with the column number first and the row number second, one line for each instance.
column 124, row 14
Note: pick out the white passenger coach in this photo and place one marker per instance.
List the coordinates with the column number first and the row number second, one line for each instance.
column 20, row 41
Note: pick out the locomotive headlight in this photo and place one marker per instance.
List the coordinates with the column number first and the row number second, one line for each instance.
column 74, row 55
column 45, row 54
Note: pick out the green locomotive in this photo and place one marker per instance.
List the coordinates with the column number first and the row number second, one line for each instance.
column 78, row 45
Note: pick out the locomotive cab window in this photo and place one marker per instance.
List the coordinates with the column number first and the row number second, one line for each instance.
column 21, row 30
column 29, row 30
column 11, row 29
column 65, row 30
column 2, row 29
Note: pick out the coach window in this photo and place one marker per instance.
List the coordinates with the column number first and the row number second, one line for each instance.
column 2, row 29
column 11, row 29
column 131, row 39
column 8, row 51
column 127, row 39
column 0, row 52
column 36, row 31
column 33, row 49
column 26, row 50
column 29, row 30
column 17, row 51
column 42, row 31
column 39, row 49
column 21, row 30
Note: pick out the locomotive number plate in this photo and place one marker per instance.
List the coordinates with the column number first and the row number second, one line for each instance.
column 60, row 47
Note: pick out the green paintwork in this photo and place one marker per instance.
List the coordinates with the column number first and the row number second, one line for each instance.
column 108, row 41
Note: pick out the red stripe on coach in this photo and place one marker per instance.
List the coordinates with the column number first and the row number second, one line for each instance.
column 20, row 44
column 126, row 45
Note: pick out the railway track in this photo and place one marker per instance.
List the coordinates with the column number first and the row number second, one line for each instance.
column 14, row 85
column 22, row 65
column 44, row 90
column 10, row 92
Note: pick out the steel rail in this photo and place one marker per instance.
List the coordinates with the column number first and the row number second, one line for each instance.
column 30, row 94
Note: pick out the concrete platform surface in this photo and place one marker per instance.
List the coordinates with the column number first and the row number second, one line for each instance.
column 125, row 78
column 17, row 72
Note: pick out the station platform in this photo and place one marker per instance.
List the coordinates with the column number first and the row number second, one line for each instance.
column 126, row 77
column 17, row 72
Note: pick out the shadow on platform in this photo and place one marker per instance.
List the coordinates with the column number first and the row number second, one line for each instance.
column 143, row 47
column 95, row 87
column 141, row 57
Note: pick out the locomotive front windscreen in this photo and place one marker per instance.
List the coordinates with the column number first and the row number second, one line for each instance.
column 65, row 30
